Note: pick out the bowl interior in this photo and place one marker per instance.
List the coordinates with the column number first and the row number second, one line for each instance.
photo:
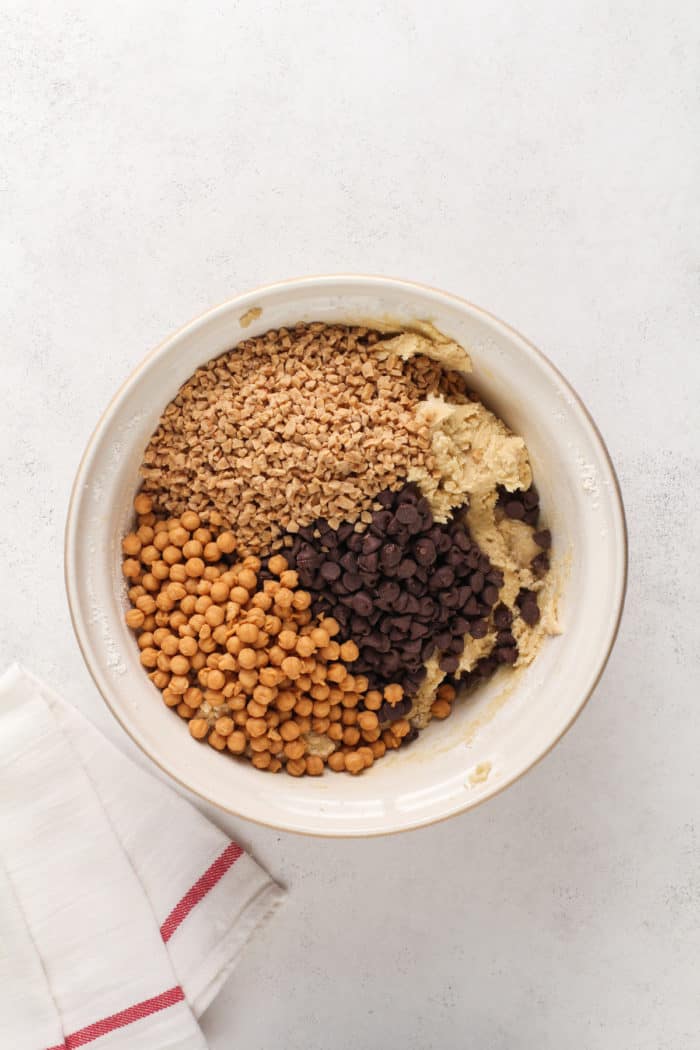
column 509, row 723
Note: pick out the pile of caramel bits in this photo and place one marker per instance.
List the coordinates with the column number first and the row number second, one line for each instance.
column 243, row 660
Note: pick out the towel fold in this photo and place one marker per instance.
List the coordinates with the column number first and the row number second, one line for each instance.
column 122, row 909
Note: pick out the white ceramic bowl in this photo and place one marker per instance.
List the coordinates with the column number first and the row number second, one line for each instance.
column 511, row 722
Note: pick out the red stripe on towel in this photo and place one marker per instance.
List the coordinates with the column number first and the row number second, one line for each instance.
column 121, row 1019
column 214, row 873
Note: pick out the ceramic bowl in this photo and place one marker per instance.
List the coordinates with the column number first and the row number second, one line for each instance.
column 493, row 737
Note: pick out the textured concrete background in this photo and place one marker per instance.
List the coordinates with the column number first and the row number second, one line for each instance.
column 542, row 160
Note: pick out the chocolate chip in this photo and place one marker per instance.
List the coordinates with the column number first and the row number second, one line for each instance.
column 543, row 538
column 389, row 591
column 427, row 649
column 370, row 544
column 506, row 655
column 406, row 569
column 443, row 578
column 348, row 562
column 408, row 514
column 505, row 638
column 531, row 498
column 362, row 603
column 368, row 563
column 455, row 559
column 451, row 598
column 379, row 641
column 449, row 663
column 540, row 564
column 515, row 509
column 391, row 555
column 418, row 629
column 391, row 662
column 411, row 646
column 413, row 586
column 443, row 542
column 529, row 610
column 479, row 628
column 416, row 676
column 485, row 667
column 502, row 616
column 308, row 558
column 424, row 551
column 462, row 539
column 472, row 558
column 490, row 594
column 395, row 529
column 530, row 613
column 380, row 521
column 408, row 494
column 477, row 581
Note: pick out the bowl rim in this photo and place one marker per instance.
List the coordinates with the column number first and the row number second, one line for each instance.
column 240, row 302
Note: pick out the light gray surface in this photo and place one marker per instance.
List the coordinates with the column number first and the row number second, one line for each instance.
column 539, row 159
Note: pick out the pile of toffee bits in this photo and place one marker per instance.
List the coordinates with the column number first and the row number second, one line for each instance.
column 243, row 659
column 293, row 425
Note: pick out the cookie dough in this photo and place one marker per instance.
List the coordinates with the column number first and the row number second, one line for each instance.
column 477, row 454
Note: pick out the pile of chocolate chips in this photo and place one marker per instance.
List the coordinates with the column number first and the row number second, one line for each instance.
column 404, row 589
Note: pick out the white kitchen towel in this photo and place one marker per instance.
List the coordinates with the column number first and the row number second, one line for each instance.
column 122, row 909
